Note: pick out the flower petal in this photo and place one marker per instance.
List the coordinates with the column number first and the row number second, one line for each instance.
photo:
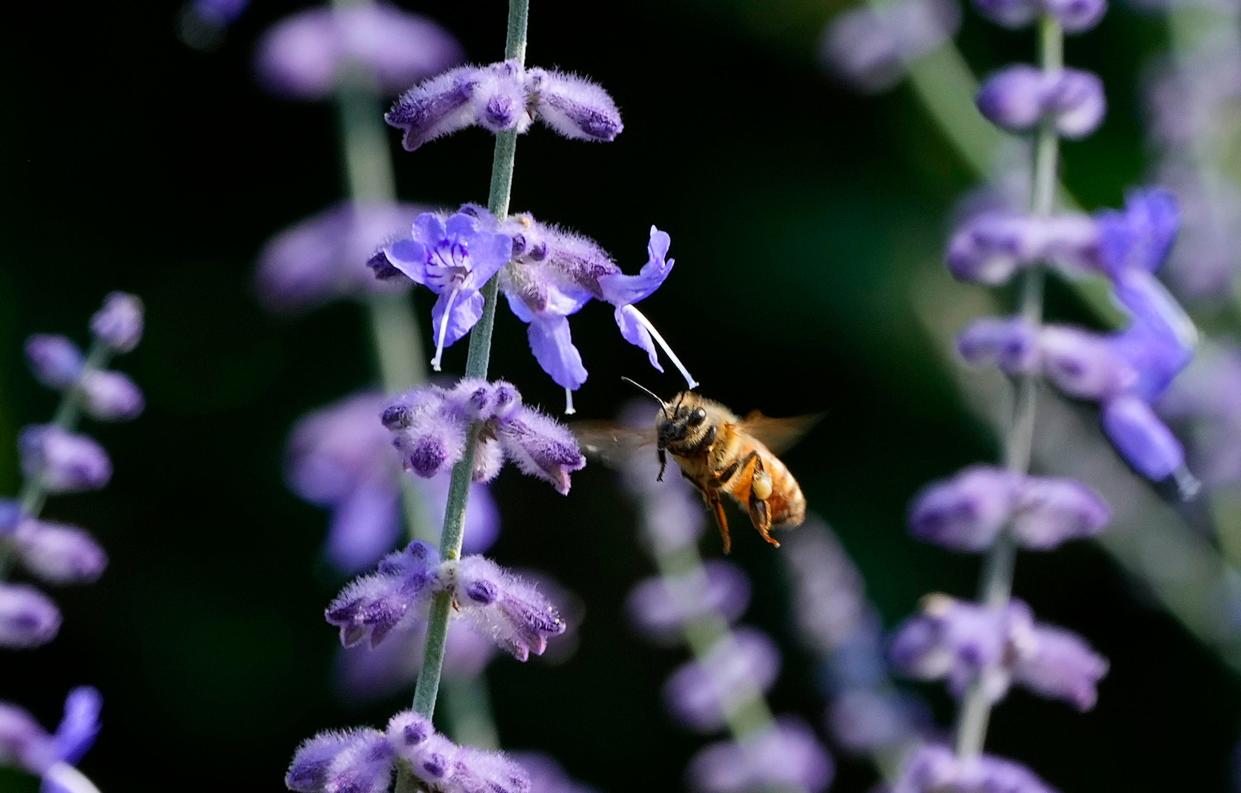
column 464, row 313
column 552, row 345
column 636, row 333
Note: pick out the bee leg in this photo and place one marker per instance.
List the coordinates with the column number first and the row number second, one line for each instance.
column 663, row 463
column 760, row 491
column 721, row 520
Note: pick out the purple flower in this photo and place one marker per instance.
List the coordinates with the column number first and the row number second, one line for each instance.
column 934, row 768
column 1140, row 236
column 371, row 606
column 702, row 693
column 26, row 745
column 541, row 447
column 118, row 324
column 662, row 607
column 1058, row 664
column 62, row 461
column 788, row 755
column 310, row 54
column 1076, row 16
column 573, row 106
column 27, row 617
column 55, row 361
column 868, row 720
column 991, row 246
column 321, row 258
column 1009, row 343
column 503, row 606
column 1019, row 98
column 1142, row 438
column 969, row 510
column 453, row 258
column 110, row 396
column 870, row 47
column 59, row 554
column 356, row 761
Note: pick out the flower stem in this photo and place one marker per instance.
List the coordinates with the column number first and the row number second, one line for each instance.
column 476, row 365
column 995, row 587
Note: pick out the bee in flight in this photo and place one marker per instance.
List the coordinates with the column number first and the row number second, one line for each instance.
column 718, row 452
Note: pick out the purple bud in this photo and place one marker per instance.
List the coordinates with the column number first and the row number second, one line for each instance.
column 541, row 447
column 1076, row 16
column 371, row 606
column 63, row 462
column 573, row 106
column 500, row 98
column 55, row 361
column 432, row 760
column 701, row 693
column 1013, row 98
column 1009, row 13
column 79, row 726
column 967, row 511
column 1075, row 99
column 1009, row 343
column 937, row 768
column 1083, row 364
column 992, row 246
column 440, row 106
column 27, row 617
column 503, row 606
column 356, row 761
column 119, row 323
column 661, row 607
column 1060, row 665
column 111, row 396
column 785, row 756
column 1141, row 438
column 1052, row 511
column 408, row 729
column 59, row 554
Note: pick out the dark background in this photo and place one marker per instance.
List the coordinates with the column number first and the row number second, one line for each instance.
column 799, row 214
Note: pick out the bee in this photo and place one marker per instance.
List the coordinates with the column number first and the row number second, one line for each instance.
column 718, row 453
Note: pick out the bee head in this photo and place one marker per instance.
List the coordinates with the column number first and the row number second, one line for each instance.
column 682, row 422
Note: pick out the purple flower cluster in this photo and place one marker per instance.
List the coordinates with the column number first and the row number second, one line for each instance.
column 363, row 761
column 312, row 53
column 871, row 47
column 738, row 666
column 937, row 768
column 497, row 604
column 1020, row 98
column 547, row 275
column 504, row 96
column 430, row 425
column 26, row 745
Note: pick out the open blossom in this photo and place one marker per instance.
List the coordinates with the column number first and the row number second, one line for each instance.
column 24, row 744
column 363, row 761
column 504, row 96
column 429, row 425
column 498, row 604
column 959, row 641
column 310, row 54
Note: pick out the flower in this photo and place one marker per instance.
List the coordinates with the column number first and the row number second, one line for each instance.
column 57, row 553
column 662, row 607
column 310, row 54
column 503, row 606
column 28, row 618
column 504, row 96
column 110, row 396
column 453, row 258
column 118, row 324
column 992, row 245
column 1074, row 16
column 320, row 258
column 869, row 48
column 785, row 756
column 430, row 426
column 1019, row 98
column 371, row 606
column 935, row 768
column 55, row 361
column 62, row 461
column 26, row 745
column 702, row 693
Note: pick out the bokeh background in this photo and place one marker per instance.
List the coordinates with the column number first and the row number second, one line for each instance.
column 804, row 218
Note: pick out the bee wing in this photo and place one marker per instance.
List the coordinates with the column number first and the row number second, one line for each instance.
column 614, row 444
column 778, row 434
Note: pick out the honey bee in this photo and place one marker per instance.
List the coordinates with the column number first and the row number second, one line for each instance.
column 717, row 452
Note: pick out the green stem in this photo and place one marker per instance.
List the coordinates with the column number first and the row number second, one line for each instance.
column 475, row 366
column 995, row 587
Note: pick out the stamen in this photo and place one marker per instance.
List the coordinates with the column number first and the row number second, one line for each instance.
column 646, row 323
column 568, row 402
column 439, row 346
column 66, row 777
column 1187, row 484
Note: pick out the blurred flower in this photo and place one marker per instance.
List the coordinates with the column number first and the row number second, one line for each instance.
column 990, row 247
column 504, row 96
column 430, row 424
column 870, row 47
column 110, row 396
column 27, row 746
column 785, row 756
column 54, row 361
column 312, row 53
column 1020, row 98
column 662, row 606
column 503, row 606
column 1074, row 16
column 935, row 768
column 323, row 257
column 63, row 462
column 28, row 618
column 118, row 325
column 57, row 553
column 703, row 692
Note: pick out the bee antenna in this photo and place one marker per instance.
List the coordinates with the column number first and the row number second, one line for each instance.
column 662, row 404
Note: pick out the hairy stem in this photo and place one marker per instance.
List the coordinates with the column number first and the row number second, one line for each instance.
column 996, row 585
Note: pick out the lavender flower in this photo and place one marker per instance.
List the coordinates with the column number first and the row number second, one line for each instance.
column 373, row 605
column 55, row 361
column 504, row 96
column 62, row 461
column 118, row 325
column 26, row 745
column 310, row 54
column 869, row 48
column 503, row 606
column 430, row 425
column 662, row 607
column 28, row 618
column 1019, row 98
column 320, row 258
column 110, row 396
column 991, row 246
column 787, row 755
column 935, row 768
column 1073, row 16
column 59, row 554
column 702, row 692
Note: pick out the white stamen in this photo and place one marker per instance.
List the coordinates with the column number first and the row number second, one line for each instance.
column 1187, row 484
column 70, row 779
column 439, row 348
column 568, row 402
column 672, row 356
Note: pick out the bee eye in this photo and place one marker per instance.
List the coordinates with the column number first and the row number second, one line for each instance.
column 698, row 416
